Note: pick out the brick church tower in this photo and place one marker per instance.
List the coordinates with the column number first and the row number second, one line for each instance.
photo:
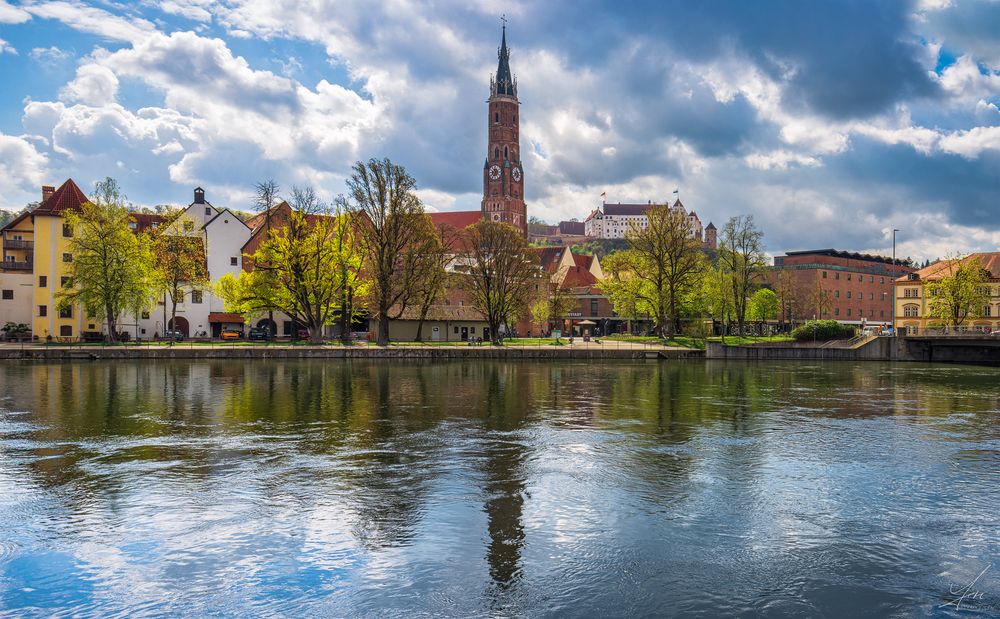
column 503, row 177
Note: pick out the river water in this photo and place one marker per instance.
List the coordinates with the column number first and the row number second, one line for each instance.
column 474, row 489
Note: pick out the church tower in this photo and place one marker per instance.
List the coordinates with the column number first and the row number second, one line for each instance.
column 503, row 177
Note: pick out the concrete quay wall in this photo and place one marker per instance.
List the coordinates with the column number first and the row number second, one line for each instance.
column 972, row 350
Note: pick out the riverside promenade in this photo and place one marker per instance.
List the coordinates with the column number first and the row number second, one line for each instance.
column 243, row 350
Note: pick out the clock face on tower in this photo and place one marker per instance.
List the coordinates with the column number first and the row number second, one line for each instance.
column 494, row 172
column 516, row 174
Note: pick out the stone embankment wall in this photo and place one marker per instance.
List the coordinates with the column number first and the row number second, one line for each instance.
column 56, row 353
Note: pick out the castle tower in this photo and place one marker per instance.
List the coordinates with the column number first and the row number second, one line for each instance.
column 503, row 176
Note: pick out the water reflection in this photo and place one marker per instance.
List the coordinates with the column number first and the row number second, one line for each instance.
column 494, row 488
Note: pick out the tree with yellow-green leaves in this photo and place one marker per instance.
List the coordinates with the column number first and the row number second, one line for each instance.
column 961, row 293
column 658, row 272
column 112, row 267
column 303, row 268
column 180, row 265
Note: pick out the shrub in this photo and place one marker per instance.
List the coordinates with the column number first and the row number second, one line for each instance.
column 823, row 330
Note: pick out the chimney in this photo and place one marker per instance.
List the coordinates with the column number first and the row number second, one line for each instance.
column 199, row 195
column 47, row 191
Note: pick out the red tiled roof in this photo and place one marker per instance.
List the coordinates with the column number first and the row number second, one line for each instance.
column 938, row 270
column 458, row 220
column 145, row 221
column 67, row 197
column 577, row 277
column 224, row 318
column 548, row 257
column 583, row 260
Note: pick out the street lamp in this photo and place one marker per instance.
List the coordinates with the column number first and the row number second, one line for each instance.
column 894, row 231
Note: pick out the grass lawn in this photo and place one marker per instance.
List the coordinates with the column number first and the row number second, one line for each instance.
column 682, row 341
column 521, row 341
column 745, row 340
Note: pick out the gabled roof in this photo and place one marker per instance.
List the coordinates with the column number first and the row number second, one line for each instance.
column 710, row 226
column 578, row 277
column 67, row 197
column 458, row 220
column 219, row 213
column 626, row 209
column 549, row 257
column 940, row 269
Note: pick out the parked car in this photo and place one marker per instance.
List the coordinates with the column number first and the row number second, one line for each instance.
column 230, row 334
column 175, row 335
column 258, row 334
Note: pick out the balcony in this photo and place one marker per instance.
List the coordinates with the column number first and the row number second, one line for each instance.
column 18, row 244
column 8, row 265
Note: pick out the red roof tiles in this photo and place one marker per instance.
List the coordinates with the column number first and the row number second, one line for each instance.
column 67, row 197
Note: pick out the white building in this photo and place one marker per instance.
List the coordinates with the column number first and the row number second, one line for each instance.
column 612, row 221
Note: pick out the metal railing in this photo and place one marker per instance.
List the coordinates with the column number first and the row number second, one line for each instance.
column 18, row 244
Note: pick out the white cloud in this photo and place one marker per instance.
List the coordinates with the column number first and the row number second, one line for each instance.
column 780, row 160
column 10, row 14
column 49, row 56
column 971, row 143
column 23, row 169
column 93, row 20
column 6, row 48
column 95, row 85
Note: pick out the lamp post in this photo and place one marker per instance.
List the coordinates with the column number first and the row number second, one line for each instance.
column 894, row 231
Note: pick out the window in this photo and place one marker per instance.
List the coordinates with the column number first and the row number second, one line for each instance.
column 911, row 311
column 871, row 296
column 881, row 313
column 848, row 312
column 234, row 261
column 836, row 311
column 593, row 307
column 67, row 230
column 8, row 295
column 848, row 294
column 65, row 331
column 836, row 276
column 196, row 296
column 871, row 279
column 66, row 312
column 496, row 119
column 824, row 274
column 43, row 281
column 836, row 293
column 145, row 315
column 67, row 257
column 871, row 313
column 208, row 210
column 43, row 310
column 456, row 330
column 881, row 280
column 848, row 277
column 472, row 329
column 66, row 281
column 986, row 311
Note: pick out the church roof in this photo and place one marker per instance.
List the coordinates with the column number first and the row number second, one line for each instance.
column 504, row 83
column 458, row 220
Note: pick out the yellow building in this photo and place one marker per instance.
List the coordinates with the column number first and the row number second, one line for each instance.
column 912, row 302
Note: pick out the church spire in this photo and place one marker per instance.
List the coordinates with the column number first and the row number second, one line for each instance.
column 505, row 84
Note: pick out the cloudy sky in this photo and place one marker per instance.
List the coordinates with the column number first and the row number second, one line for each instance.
column 830, row 122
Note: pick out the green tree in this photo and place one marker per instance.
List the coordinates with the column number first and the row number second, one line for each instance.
column 394, row 239
column 763, row 305
column 552, row 303
column 299, row 267
column 741, row 253
column 180, row 266
column 961, row 293
column 112, row 267
column 500, row 270
column 659, row 270
column 433, row 274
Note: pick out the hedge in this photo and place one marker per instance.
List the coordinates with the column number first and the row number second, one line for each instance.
column 823, row 330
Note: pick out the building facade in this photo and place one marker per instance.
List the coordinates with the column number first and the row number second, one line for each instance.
column 912, row 298
column 837, row 285
column 503, row 175
column 612, row 221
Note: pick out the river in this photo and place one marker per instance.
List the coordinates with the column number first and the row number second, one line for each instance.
column 336, row 488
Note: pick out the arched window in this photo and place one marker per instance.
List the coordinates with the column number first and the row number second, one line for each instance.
column 496, row 117
column 911, row 311
column 496, row 153
column 504, row 152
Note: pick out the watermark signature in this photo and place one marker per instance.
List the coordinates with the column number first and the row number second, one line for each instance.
column 969, row 597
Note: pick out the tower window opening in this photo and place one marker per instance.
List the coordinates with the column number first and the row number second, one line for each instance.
column 504, row 152
column 496, row 117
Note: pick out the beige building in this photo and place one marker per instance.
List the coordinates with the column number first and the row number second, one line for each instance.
column 912, row 301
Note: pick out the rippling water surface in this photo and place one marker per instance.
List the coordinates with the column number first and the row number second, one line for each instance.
column 357, row 489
